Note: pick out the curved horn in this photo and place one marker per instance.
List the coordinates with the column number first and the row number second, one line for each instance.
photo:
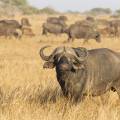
column 82, row 53
column 46, row 58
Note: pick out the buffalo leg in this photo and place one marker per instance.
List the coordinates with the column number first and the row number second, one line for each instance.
column 118, row 91
column 69, row 39
column 72, row 39
column 44, row 32
column 117, row 88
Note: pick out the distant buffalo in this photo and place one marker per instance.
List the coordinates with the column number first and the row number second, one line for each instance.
column 89, row 18
column 8, row 33
column 82, row 72
column 53, row 28
column 62, row 17
column 57, row 20
column 106, row 31
column 115, row 25
column 82, row 31
column 10, row 28
column 25, row 22
column 89, row 22
column 10, row 23
column 26, row 27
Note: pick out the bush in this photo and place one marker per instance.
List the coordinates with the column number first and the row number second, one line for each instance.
column 48, row 10
column 96, row 11
column 15, row 2
column 117, row 12
column 19, row 2
column 101, row 10
column 25, row 8
column 72, row 12
column 29, row 10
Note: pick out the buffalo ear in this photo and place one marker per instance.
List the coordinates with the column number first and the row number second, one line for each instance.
column 81, row 52
column 49, row 65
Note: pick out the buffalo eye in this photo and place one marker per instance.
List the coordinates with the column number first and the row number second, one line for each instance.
column 77, row 65
column 57, row 58
column 74, row 61
column 49, row 65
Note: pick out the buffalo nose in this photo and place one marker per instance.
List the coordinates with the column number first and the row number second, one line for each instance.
column 64, row 67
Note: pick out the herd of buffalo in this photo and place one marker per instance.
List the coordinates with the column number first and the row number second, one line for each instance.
column 86, row 29
column 89, row 28
column 79, row 71
column 9, row 28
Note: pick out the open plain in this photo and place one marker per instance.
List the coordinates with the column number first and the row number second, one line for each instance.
column 29, row 92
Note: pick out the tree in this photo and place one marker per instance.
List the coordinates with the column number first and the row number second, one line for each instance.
column 15, row 2
column 48, row 10
column 117, row 11
column 18, row 5
column 101, row 11
column 19, row 2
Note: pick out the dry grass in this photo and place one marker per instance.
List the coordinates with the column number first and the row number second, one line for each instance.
column 27, row 92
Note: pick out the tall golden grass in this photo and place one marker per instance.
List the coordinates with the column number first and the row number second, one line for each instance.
column 28, row 92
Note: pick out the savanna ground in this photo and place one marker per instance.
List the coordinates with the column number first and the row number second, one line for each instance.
column 28, row 92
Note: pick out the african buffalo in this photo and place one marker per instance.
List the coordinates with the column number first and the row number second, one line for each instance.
column 10, row 28
column 83, row 72
column 57, row 20
column 62, row 17
column 8, row 33
column 115, row 25
column 82, row 31
column 26, row 27
column 25, row 22
column 10, row 23
column 89, row 21
column 53, row 28
column 106, row 31
column 89, row 18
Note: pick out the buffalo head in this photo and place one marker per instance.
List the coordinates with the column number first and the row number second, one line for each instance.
column 65, row 58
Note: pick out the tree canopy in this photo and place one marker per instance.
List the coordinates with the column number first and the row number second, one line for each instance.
column 15, row 2
column 101, row 10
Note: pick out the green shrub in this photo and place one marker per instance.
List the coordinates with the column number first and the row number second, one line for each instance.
column 48, row 10
column 117, row 11
column 96, row 11
column 29, row 10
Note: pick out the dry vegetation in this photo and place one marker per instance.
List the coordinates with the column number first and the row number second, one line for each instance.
column 27, row 92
